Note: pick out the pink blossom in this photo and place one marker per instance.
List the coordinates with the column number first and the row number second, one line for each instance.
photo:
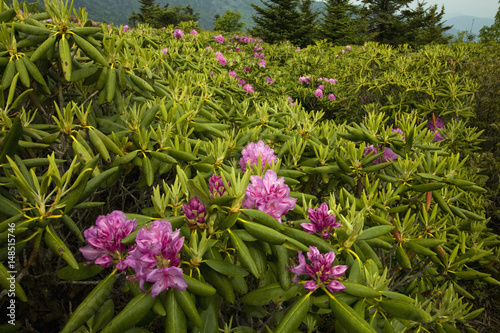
column 290, row 98
column 255, row 55
column 252, row 152
column 388, row 154
column 195, row 213
column 212, row 73
column 217, row 188
column 262, row 63
column 94, row 24
column 178, row 33
column 247, row 69
column 269, row 80
column 232, row 73
column 248, row 88
column 298, row 48
column 397, row 130
column 221, row 58
column 269, row 194
column 321, row 270
column 219, row 39
column 321, row 222
column 163, row 28
column 435, row 124
column 193, row 32
column 333, row 81
column 126, row 28
column 104, row 239
column 343, row 51
column 318, row 93
column 262, row 55
column 164, row 51
column 321, row 87
column 305, row 79
column 156, row 258
column 209, row 48
column 332, row 97
column 348, row 48
column 241, row 82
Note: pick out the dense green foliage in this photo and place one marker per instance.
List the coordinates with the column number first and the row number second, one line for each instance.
column 95, row 119
column 491, row 33
column 229, row 22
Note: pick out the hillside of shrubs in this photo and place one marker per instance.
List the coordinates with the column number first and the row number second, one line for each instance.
column 180, row 180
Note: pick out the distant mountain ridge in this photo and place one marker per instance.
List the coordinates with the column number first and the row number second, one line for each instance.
column 471, row 24
column 118, row 12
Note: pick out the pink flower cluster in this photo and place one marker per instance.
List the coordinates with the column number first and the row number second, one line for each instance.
column 305, row 79
column 178, row 33
column 248, row 88
column 321, row 270
column 156, row 258
column 164, row 50
column 195, row 213
column 219, row 39
column 331, row 81
column 217, row 188
column 388, row 154
column 193, row 32
column 321, row 222
column 221, row 58
column 252, row 152
column 126, row 28
column 104, row 239
column 318, row 93
column 269, row 194
column 434, row 125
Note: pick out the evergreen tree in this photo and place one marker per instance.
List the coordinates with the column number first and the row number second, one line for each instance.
column 277, row 20
column 307, row 31
column 491, row 33
column 158, row 17
column 424, row 26
column 229, row 22
column 384, row 20
column 339, row 24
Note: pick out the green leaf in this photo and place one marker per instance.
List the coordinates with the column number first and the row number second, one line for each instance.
column 374, row 232
column 271, row 293
column 84, row 272
column 133, row 312
column 57, row 245
column 188, row 306
column 175, row 321
column 263, row 218
column 90, row 304
column 226, row 268
column 243, row 254
column 349, row 318
column 406, row 311
column 293, row 318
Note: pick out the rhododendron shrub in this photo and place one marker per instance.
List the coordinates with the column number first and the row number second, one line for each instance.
column 188, row 182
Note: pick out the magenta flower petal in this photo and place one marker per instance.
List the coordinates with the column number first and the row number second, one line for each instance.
column 252, row 152
column 335, row 286
column 156, row 257
column 104, row 239
column 310, row 285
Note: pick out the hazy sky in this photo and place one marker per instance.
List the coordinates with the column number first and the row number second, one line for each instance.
column 479, row 8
